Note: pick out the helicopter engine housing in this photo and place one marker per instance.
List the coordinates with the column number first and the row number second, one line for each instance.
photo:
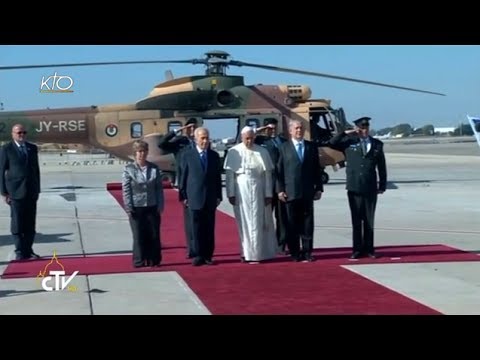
column 296, row 93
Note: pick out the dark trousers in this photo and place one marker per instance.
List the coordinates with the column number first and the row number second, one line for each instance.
column 362, row 210
column 23, row 214
column 203, row 233
column 300, row 226
column 145, row 225
column 187, row 226
column 280, row 214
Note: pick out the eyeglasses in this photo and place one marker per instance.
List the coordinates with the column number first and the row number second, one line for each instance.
column 21, row 132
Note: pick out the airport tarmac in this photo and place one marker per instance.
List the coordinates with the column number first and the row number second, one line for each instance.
column 432, row 198
column 462, row 146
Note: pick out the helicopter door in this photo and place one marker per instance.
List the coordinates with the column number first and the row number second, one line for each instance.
column 321, row 127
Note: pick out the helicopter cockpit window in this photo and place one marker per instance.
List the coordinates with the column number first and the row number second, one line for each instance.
column 136, row 130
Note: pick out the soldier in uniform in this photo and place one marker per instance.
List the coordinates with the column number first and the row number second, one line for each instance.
column 272, row 141
column 174, row 142
column 364, row 157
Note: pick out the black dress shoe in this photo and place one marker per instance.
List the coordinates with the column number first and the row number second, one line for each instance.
column 308, row 258
column 297, row 258
column 355, row 255
column 34, row 256
column 284, row 250
column 197, row 261
column 372, row 255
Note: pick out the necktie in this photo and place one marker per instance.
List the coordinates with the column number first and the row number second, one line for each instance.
column 299, row 151
column 275, row 142
column 203, row 158
column 23, row 151
column 364, row 146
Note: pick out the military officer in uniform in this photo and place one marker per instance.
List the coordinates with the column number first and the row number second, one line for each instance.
column 365, row 159
column 176, row 143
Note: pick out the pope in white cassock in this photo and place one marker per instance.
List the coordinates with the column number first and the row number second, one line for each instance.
column 248, row 169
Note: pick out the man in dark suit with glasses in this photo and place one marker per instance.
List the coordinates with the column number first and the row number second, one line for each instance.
column 20, row 189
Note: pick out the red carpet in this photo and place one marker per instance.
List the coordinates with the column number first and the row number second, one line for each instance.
column 172, row 233
column 296, row 289
column 277, row 287
column 174, row 260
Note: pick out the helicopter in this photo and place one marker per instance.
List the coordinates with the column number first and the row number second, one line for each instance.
column 170, row 104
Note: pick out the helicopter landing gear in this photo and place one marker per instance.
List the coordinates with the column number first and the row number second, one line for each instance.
column 325, row 177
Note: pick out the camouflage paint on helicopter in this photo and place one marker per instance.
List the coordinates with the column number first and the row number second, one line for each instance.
column 214, row 95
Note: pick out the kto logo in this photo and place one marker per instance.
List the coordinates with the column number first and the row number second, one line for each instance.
column 55, row 280
column 56, row 84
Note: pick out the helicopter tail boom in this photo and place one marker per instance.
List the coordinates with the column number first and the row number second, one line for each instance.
column 62, row 126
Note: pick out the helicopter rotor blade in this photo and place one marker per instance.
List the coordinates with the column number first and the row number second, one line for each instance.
column 192, row 61
column 222, row 61
column 304, row 72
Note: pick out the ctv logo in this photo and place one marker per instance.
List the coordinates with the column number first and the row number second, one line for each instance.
column 55, row 280
column 56, row 84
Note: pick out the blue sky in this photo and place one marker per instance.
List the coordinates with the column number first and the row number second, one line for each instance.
column 453, row 70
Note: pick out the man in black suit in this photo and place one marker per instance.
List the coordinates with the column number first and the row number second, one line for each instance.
column 174, row 142
column 299, row 183
column 364, row 157
column 271, row 141
column 200, row 190
column 20, row 188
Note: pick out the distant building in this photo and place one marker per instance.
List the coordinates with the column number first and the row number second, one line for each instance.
column 444, row 130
